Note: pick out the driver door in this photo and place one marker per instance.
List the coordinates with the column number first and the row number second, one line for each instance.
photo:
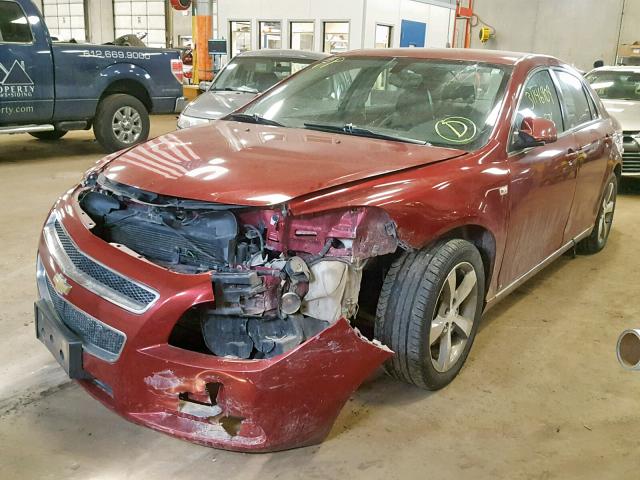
column 542, row 185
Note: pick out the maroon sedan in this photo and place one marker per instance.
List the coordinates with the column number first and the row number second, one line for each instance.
column 233, row 284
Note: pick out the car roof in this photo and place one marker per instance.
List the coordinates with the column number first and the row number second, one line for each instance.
column 469, row 54
column 618, row 68
column 288, row 53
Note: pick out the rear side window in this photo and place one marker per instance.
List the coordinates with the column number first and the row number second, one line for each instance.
column 575, row 99
column 540, row 100
column 14, row 26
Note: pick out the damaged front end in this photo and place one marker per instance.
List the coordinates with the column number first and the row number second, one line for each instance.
column 264, row 360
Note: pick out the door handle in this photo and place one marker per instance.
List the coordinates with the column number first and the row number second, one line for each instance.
column 572, row 156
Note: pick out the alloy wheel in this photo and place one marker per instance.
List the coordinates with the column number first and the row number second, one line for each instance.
column 606, row 215
column 453, row 318
column 127, row 125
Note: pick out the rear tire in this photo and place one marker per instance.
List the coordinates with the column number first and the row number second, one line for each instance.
column 120, row 122
column 50, row 135
column 597, row 240
column 428, row 312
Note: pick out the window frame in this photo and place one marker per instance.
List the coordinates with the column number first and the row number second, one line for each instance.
column 391, row 30
column 324, row 32
column 5, row 42
column 84, row 19
column 513, row 127
column 585, row 91
column 312, row 22
column 230, row 22
column 259, row 33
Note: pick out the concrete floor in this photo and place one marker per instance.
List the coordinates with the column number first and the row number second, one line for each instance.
column 541, row 396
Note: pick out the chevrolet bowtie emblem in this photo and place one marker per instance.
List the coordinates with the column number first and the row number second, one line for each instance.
column 60, row 284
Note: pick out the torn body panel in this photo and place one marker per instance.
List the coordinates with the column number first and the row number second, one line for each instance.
column 223, row 354
column 279, row 403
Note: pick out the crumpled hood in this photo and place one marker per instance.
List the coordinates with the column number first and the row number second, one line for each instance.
column 214, row 105
column 627, row 112
column 247, row 164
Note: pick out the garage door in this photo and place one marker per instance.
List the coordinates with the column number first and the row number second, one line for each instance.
column 65, row 19
column 140, row 17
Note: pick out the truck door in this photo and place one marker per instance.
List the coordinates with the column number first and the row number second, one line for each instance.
column 26, row 66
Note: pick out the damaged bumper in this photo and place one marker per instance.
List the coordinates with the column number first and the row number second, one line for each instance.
column 127, row 363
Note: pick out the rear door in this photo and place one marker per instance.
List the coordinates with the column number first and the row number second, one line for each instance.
column 594, row 144
column 542, row 183
column 26, row 66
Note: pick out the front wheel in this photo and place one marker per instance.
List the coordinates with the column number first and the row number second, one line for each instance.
column 600, row 233
column 428, row 312
column 121, row 121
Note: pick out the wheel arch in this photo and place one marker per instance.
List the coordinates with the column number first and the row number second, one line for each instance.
column 617, row 170
column 131, row 87
column 482, row 238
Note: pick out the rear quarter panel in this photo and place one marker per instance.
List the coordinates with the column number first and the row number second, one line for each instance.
column 83, row 72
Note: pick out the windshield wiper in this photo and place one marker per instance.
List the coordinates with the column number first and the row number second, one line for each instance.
column 239, row 89
column 350, row 129
column 252, row 118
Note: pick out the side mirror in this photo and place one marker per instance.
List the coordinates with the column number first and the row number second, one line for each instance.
column 535, row 132
column 204, row 86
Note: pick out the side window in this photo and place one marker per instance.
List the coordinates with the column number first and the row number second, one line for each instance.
column 539, row 100
column 594, row 108
column 575, row 99
column 14, row 26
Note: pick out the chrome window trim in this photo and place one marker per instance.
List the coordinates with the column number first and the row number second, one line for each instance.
column 88, row 282
column 43, row 291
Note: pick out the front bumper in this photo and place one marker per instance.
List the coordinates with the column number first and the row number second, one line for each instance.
column 181, row 102
column 246, row 405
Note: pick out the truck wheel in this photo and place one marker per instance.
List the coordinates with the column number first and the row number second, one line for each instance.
column 51, row 135
column 600, row 234
column 121, row 121
column 428, row 312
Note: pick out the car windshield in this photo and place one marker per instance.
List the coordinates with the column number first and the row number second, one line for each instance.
column 440, row 102
column 616, row 85
column 257, row 74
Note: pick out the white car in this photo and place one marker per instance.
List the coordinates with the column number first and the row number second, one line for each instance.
column 619, row 89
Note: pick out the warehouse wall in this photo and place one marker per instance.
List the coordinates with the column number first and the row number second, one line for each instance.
column 327, row 10
column 362, row 15
column 181, row 25
column 439, row 20
column 577, row 31
column 100, row 20
column 630, row 22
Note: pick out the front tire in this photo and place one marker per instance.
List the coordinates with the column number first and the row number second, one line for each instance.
column 428, row 312
column 49, row 136
column 121, row 121
column 597, row 240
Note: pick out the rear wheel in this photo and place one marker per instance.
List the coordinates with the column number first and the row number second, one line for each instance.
column 50, row 135
column 428, row 312
column 600, row 234
column 121, row 121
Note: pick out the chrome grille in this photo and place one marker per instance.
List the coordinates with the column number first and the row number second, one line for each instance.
column 631, row 162
column 140, row 297
column 97, row 338
column 631, row 153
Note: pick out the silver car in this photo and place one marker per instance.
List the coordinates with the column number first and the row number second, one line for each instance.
column 619, row 89
column 244, row 77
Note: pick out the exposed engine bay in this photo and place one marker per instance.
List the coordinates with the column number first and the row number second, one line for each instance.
column 277, row 279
